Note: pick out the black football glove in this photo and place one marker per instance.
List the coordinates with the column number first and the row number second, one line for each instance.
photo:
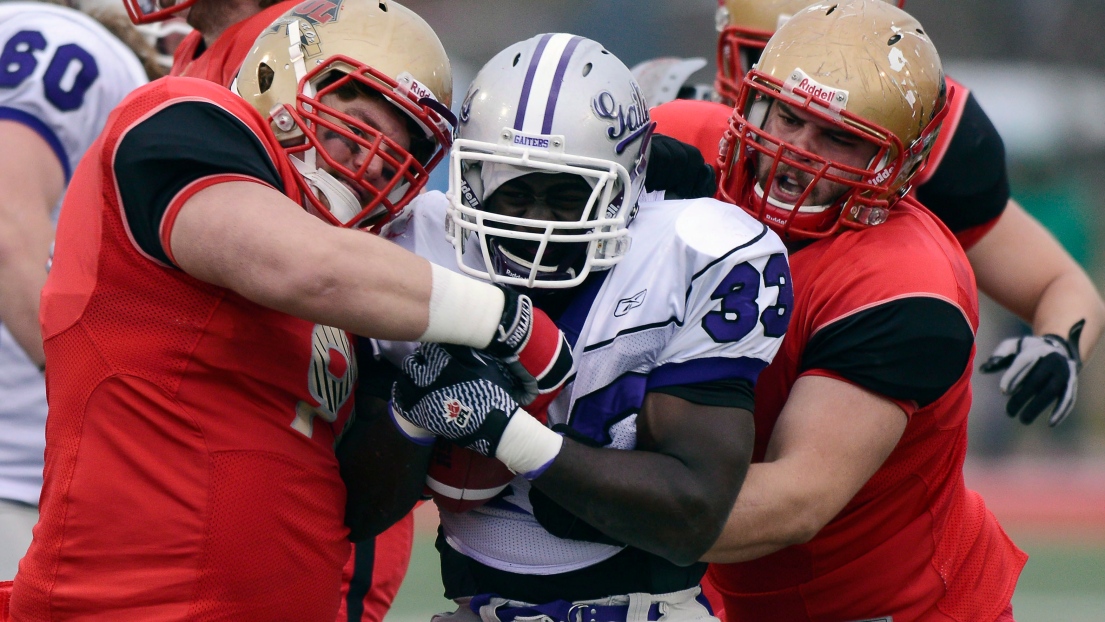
column 532, row 348
column 1041, row 373
column 678, row 168
column 456, row 393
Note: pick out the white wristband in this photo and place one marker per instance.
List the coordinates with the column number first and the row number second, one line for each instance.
column 463, row 311
column 527, row 446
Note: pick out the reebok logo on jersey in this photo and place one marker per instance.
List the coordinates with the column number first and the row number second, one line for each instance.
column 457, row 413
column 625, row 305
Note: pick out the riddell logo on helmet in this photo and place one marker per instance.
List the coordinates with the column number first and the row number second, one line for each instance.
column 883, row 175
column 413, row 87
column 801, row 84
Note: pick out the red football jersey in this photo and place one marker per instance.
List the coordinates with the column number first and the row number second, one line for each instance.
column 913, row 543
column 703, row 124
column 220, row 62
column 190, row 471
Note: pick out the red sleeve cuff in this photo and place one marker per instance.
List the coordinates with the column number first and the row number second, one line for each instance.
column 909, row 406
column 169, row 218
column 971, row 235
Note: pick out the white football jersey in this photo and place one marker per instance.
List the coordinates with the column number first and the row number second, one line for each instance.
column 61, row 73
column 702, row 295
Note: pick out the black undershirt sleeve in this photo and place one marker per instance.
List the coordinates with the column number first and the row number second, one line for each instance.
column 907, row 349
column 374, row 375
column 176, row 146
column 971, row 185
column 730, row 393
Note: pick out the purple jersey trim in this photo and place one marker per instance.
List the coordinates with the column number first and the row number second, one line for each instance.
column 695, row 371
column 520, row 116
column 558, row 80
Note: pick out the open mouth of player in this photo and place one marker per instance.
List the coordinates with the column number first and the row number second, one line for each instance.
column 788, row 188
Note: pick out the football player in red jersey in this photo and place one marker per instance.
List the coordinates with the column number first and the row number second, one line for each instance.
column 224, row 30
column 224, row 34
column 1015, row 260
column 855, row 505
column 196, row 323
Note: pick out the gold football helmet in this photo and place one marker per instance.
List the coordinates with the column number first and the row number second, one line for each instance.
column 866, row 71
column 371, row 48
column 744, row 26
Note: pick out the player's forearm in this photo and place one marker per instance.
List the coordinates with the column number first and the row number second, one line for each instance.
column 670, row 497
column 648, row 500
column 31, row 183
column 1025, row 269
column 272, row 252
column 770, row 514
column 1069, row 299
column 20, row 288
column 25, row 236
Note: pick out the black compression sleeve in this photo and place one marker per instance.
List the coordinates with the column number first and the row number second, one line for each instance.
column 375, row 375
column 971, row 185
column 908, row 349
column 176, row 146
column 731, row 393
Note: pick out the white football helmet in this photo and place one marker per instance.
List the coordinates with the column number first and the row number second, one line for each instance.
column 556, row 103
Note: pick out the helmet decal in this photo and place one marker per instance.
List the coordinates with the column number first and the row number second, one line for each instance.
column 466, row 107
column 802, row 85
column 318, row 11
column 628, row 122
column 541, row 89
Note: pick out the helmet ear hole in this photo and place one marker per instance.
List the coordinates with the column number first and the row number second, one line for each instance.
column 265, row 76
column 586, row 69
column 831, row 9
column 384, row 7
column 517, row 57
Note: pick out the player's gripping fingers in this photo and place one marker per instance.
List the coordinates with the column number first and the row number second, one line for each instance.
column 455, row 393
column 532, row 347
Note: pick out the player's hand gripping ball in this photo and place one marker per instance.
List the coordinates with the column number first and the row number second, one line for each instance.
column 460, row 479
column 464, row 398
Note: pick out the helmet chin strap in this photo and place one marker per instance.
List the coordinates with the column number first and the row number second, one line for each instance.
column 343, row 203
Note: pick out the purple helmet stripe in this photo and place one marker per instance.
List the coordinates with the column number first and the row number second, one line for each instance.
column 558, row 79
column 520, row 117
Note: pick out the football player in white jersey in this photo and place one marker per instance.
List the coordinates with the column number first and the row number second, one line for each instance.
column 61, row 73
column 672, row 307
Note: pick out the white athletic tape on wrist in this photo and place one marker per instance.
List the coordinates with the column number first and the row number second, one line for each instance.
column 527, row 446
column 462, row 310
